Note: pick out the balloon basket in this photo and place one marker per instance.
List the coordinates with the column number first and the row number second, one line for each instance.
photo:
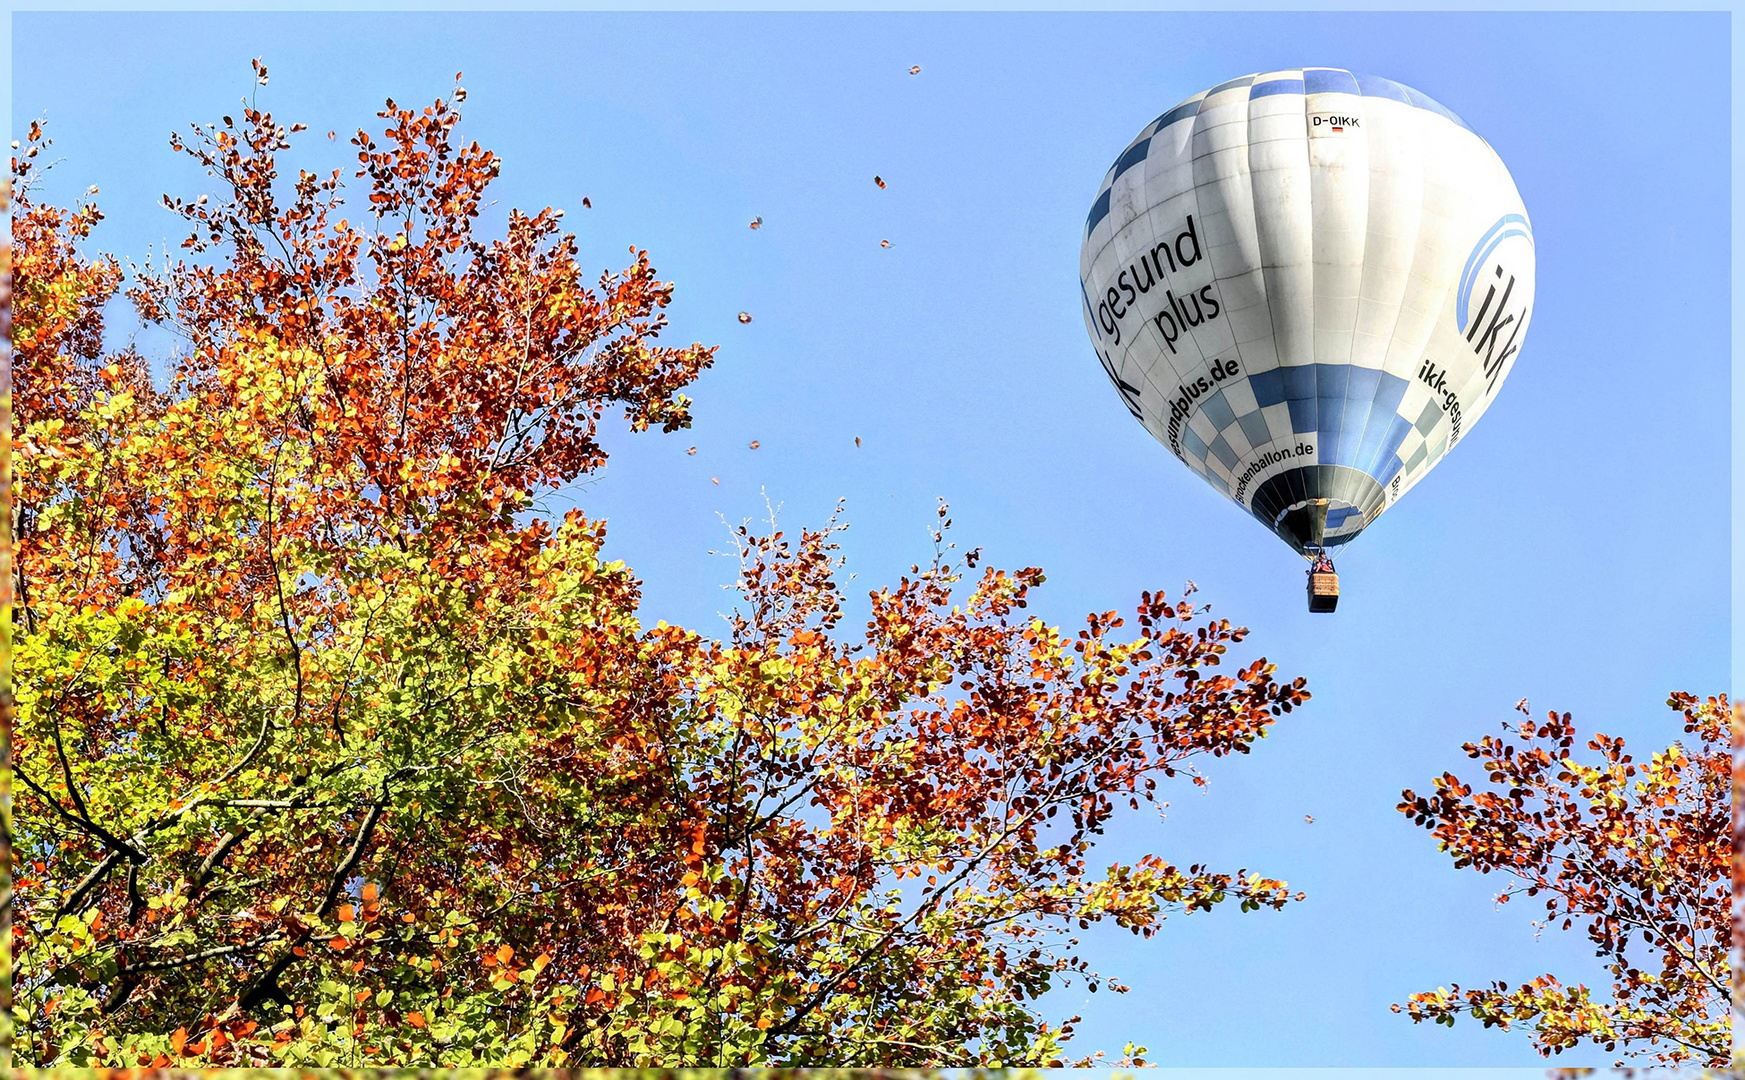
column 1323, row 592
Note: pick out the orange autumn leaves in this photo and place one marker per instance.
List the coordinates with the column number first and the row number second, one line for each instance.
column 1637, row 853
column 325, row 482
column 474, row 368
column 336, row 744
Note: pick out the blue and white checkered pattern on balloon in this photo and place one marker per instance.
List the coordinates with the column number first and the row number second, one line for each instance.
column 1352, row 411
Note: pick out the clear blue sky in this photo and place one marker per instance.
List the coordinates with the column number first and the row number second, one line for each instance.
column 1573, row 550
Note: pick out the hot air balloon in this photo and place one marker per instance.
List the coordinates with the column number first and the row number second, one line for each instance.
column 1309, row 285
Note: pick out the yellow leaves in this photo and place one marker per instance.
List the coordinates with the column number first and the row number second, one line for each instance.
column 406, row 607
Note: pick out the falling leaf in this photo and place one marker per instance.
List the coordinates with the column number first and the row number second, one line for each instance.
column 757, row 222
column 586, row 204
column 857, row 440
column 884, row 243
column 178, row 1040
column 754, row 444
column 745, row 316
column 879, row 180
column 692, row 451
column 916, row 70
column 1308, row 819
column 716, row 480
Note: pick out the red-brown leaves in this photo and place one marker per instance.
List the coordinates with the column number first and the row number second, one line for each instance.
column 58, row 298
column 305, row 641
column 1638, row 852
column 941, row 748
column 451, row 368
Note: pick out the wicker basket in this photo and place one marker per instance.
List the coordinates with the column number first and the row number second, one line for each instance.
column 1323, row 592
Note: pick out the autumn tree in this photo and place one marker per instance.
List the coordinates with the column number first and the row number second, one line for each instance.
column 334, row 751
column 1635, row 852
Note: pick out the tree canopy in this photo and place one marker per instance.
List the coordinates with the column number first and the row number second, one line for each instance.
column 333, row 751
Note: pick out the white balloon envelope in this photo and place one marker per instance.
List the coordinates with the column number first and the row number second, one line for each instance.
column 1309, row 285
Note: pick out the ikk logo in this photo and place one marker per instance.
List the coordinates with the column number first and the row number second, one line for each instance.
column 1485, row 330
